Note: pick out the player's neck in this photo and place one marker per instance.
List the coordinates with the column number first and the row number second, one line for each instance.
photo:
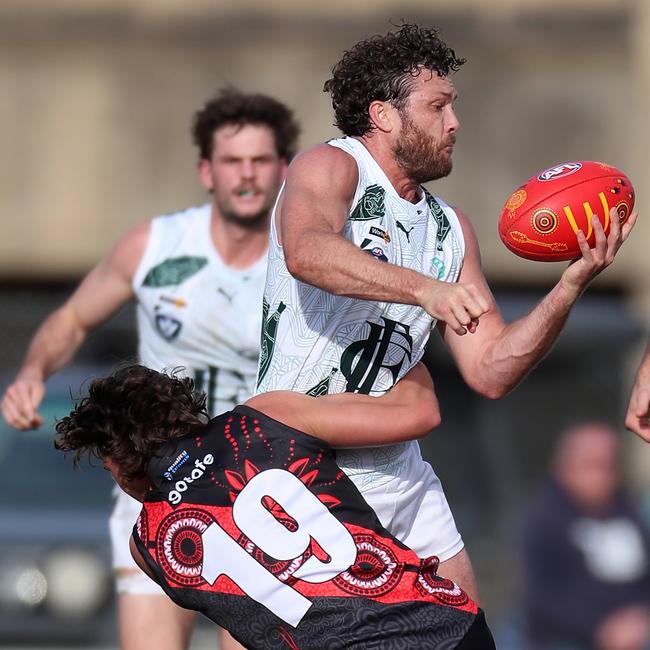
column 381, row 150
column 239, row 246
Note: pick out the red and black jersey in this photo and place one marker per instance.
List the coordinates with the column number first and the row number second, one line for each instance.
column 253, row 524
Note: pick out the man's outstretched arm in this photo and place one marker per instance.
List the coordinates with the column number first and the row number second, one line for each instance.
column 101, row 293
column 637, row 418
column 499, row 355
column 408, row 411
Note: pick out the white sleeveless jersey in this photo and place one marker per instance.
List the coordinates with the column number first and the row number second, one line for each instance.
column 196, row 312
column 317, row 343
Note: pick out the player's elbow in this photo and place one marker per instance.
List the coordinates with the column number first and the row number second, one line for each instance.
column 491, row 388
column 297, row 261
column 495, row 392
column 304, row 263
column 425, row 418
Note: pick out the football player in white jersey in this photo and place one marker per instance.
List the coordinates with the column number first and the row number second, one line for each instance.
column 336, row 245
column 197, row 277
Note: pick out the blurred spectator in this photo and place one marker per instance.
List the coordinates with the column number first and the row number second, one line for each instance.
column 586, row 553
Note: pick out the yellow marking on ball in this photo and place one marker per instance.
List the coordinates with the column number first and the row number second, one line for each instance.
column 523, row 238
column 589, row 213
column 570, row 217
column 603, row 202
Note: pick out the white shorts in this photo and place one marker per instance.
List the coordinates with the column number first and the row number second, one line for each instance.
column 407, row 496
column 129, row 578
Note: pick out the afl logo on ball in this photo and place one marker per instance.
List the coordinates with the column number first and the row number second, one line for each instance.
column 559, row 171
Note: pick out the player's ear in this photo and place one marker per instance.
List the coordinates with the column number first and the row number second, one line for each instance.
column 383, row 115
column 205, row 174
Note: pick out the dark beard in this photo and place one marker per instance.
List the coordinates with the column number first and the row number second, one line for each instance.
column 419, row 155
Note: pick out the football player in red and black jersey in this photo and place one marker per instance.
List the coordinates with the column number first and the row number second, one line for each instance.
column 248, row 519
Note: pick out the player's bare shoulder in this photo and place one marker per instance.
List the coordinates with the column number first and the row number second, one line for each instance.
column 127, row 252
column 319, row 189
column 464, row 220
column 324, row 166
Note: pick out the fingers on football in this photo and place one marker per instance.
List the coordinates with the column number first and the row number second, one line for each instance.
column 601, row 242
column 583, row 245
column 628, row 225
column 614, row 223
column 614, row 239
column 599, row 232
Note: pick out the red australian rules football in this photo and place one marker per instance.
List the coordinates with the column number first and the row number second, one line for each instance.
column 540, row 219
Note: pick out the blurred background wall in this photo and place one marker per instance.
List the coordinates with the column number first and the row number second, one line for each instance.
column 95, row 105
column 97, row 98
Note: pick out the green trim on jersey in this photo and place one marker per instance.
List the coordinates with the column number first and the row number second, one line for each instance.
column 173, row 271
column 269, row 328
column 440, row 217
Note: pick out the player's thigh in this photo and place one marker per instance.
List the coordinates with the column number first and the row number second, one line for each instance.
column 153, row 622
column 459, row 569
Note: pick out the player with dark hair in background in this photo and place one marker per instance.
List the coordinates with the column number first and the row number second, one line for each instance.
column 250, row 521
column 197, row 277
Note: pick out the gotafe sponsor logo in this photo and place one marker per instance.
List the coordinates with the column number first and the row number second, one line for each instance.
column 559, row 171
column 175, row 496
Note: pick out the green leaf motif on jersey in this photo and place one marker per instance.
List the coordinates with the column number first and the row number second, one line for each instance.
column 269, row 329
column 174, row 271
column 323, row 386
column 371, row 205
column 440, row 218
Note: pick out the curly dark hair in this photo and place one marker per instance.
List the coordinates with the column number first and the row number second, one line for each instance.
column 129, row 415
column 230, row 106
column 383, row 68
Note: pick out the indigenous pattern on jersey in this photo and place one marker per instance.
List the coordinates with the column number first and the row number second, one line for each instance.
column 317, row 343
column 253, row 524
column 196, row 312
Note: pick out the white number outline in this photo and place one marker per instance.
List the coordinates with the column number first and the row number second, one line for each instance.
column 222, row 555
